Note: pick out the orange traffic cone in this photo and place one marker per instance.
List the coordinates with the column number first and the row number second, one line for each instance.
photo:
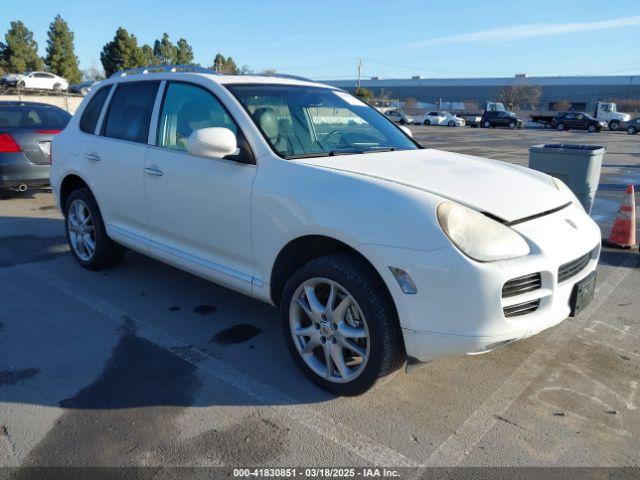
column 623, row 233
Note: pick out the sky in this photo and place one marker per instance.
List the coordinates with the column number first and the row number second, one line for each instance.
column 393, row 39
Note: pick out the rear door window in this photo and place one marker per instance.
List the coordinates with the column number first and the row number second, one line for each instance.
column 130, row 111
column 91, row 114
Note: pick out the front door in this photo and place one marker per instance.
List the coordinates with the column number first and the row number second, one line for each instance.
column 199, row 208
column 115, row 158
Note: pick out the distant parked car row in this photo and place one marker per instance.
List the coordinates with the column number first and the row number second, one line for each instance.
column 44, row 81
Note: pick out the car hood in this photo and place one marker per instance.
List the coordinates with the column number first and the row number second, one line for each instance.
column 507, row 191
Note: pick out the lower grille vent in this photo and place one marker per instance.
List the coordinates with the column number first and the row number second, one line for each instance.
column 520, row 285
column 572, row 268
column 521, row 308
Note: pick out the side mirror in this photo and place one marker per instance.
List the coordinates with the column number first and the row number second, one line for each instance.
column 406, row 130
column 212, row 142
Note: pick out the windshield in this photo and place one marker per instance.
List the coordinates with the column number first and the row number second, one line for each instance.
column 303, row 121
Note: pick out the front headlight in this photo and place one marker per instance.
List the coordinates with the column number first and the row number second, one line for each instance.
column 560, row 185
column 478, row 236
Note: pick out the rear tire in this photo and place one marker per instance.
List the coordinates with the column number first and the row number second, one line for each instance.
column 632, row 130
column 427, row 122
column 369, row 324
column 88, row 240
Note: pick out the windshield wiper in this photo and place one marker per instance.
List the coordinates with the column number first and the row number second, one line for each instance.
column 380, row 149
column 328, row 153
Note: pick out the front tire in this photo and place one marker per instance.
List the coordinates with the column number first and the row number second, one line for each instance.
column 57, row 87
column 513, row 125
column 632, row 130
column 86, row 235
column 452, row 123
column 427, row 122
column 614, row 125
column 486, row 124
column 560, row 127
column 592, row 129
column 340, row 324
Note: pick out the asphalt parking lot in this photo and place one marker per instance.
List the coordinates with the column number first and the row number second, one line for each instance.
column 147, row 365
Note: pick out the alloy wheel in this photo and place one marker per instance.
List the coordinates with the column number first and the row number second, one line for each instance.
column 82, row 231
column 329, row 330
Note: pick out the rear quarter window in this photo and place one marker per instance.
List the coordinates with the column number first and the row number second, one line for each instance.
column 91, row 114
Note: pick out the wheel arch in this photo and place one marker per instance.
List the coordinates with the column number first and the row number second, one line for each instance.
column 302, row 250
column 68, row 184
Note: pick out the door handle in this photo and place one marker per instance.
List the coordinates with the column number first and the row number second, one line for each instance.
column 93, row 156
column 153, row 171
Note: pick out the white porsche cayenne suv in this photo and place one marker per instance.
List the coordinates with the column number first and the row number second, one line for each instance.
column 377, row 252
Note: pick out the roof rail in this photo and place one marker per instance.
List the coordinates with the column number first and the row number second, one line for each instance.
column 284, row 75
column 163, row 69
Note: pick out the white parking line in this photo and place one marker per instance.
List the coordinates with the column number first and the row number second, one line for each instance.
column 344, row 437
column 453, row 451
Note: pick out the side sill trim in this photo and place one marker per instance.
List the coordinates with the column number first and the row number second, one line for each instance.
column 216, row 267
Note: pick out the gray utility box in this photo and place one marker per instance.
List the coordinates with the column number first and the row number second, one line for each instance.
column 576, row 165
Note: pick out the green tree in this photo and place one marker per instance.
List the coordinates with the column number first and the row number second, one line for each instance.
column 148, row 58
column 364, row 93
column 164, row 50
column 224, row 65
column 184, row 53
column 20, row 51
column 121, row 53
column 61, row 58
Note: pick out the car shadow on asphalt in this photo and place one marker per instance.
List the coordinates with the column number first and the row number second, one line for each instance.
column 206, row 323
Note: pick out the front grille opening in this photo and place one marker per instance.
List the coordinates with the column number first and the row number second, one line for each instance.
column 573, row 268
column 521, row 308
column 520, row 285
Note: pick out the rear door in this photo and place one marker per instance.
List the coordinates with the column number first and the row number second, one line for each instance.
column 115, row 158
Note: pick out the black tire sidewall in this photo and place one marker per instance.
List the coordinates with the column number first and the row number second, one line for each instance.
column 103, row 242
column 373, row 311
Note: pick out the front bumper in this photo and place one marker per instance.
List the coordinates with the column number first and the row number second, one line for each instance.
column 15, row 170
column 458, row 308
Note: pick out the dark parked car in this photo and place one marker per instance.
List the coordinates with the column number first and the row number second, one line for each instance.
column 26, row 130
column 83, row 87
column 633, row 126
column 501, row 119
column 577, row 121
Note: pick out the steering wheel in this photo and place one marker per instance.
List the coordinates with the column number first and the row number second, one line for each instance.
column 328, row 135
